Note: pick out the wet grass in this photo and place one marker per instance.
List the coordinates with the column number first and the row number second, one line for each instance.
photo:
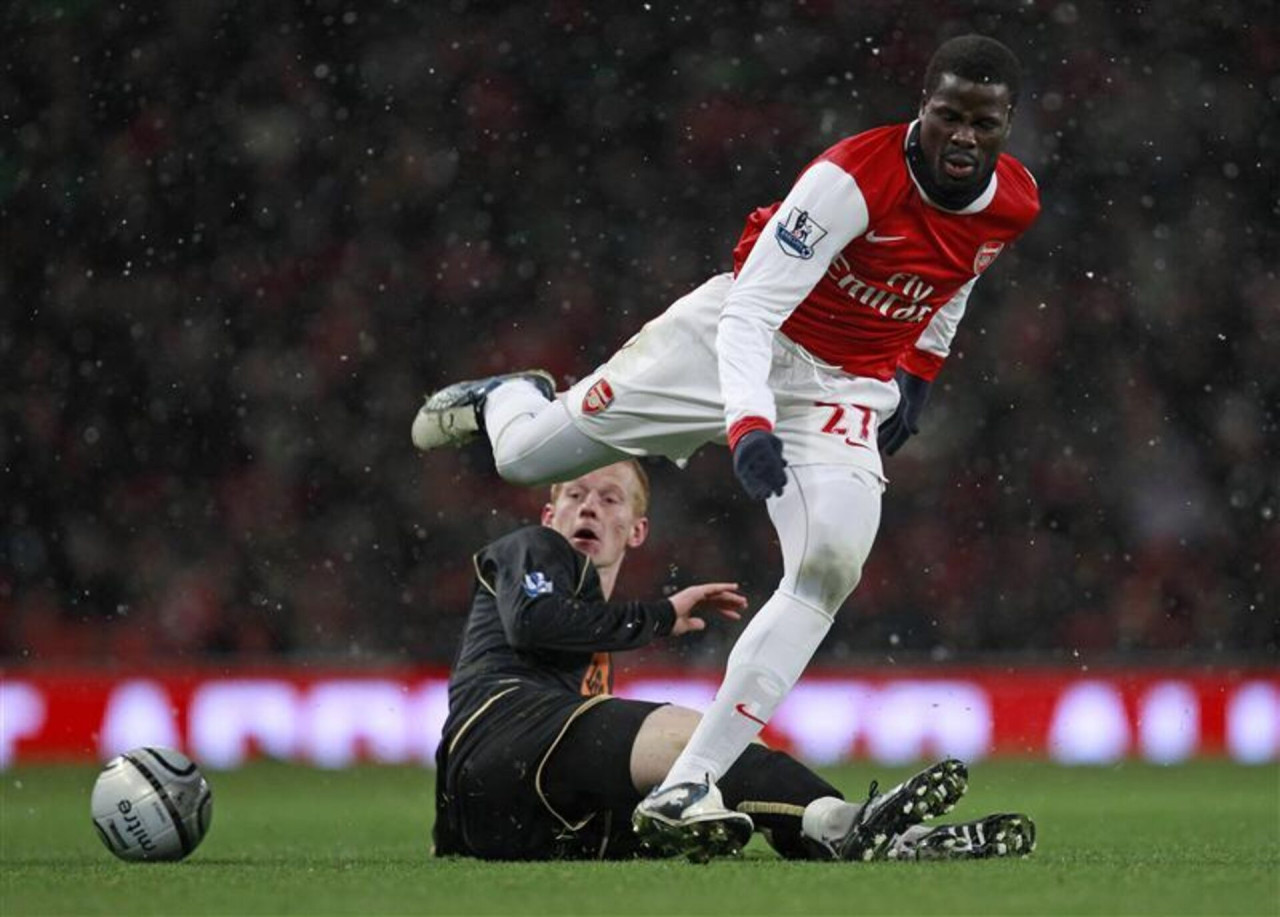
column 1135, row 839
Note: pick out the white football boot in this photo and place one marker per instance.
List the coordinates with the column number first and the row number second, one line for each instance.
column 455, row 414
column 690, row 819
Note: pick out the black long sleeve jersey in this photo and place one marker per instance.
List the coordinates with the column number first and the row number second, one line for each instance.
column 538, row 617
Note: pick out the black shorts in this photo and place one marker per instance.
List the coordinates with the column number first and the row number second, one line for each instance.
column 540, row 775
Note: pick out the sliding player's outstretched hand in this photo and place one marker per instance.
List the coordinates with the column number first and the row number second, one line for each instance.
column 697, row 600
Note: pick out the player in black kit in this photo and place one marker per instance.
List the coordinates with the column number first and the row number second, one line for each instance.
column 538, row 760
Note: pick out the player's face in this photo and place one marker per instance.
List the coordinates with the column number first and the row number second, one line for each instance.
column 597, row 514
column 963, row 128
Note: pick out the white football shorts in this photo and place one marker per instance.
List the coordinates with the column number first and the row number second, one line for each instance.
column 660, row 393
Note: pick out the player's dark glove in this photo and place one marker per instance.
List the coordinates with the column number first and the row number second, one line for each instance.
column 759, row 465
column 905, row 421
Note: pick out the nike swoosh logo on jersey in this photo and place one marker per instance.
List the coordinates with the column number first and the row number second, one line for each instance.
column 742, row 708
column 873, row 236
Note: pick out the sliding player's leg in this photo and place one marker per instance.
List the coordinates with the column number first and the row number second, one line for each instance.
column 615, row 752
column 765, row 787
column 869, row 831
column 997, row 835
column 801, row 815
column 587, row 774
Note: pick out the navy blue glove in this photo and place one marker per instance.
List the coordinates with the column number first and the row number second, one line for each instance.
column 905, row 421
column 759, row 465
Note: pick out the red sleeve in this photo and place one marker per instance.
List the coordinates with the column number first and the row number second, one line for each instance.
column 745, row 426
column 922, row 363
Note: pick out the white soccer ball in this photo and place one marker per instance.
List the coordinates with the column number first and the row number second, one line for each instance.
column 152, row 804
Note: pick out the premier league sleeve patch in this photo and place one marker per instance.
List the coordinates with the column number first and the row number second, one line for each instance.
column 536, row 584
column 798, row 235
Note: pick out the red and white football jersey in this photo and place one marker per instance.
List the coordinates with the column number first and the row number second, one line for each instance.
column 860, row 268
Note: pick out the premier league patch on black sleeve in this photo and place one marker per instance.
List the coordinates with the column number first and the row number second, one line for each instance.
column 536, row 584
column 798, row 234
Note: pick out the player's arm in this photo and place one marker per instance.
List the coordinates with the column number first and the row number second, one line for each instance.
column 534, row 577
column 821, row 214
column 917, row 369
column 933, row 346
column 919, row 365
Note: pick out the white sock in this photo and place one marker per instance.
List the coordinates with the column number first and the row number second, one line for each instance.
column 509, row 402
column 828, row 819
column 902, row 844
column 535, row 441
column 766, row 662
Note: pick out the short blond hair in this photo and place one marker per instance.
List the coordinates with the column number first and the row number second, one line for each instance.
column 639, row 495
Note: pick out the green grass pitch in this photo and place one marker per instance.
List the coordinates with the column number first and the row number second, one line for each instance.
column 1202, row 838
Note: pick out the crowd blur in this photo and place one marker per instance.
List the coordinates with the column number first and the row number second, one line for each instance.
column 241, row 241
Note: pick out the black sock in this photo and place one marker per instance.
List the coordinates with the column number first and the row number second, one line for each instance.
column 773, row 788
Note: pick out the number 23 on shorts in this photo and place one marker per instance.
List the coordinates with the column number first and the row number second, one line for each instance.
column 851, row 421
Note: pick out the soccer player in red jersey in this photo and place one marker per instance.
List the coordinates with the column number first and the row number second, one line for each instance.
column 814, row 356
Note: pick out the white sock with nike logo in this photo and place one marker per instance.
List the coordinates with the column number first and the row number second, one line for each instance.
column 766, row 662
column 828, row 819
